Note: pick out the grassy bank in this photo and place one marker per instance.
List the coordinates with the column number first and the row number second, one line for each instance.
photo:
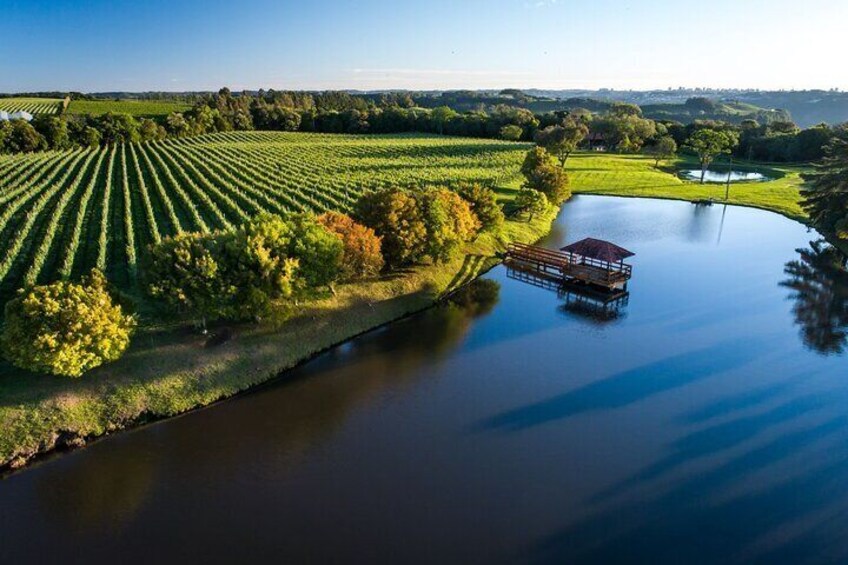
column 635, row 175
column 170, row 372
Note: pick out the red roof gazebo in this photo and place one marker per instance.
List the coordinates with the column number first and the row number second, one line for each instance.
column 598, row 249
column 599, row 262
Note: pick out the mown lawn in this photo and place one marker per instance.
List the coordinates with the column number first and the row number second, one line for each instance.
column 635, row 175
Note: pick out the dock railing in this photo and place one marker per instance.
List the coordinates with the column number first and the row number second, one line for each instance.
column 569, row 265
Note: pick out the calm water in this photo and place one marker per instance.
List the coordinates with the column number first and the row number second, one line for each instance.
column 704, row 420
column 721, row 176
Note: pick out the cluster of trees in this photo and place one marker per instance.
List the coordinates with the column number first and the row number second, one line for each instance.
column 774, row 142
column 267, row 264
column 619, row 127
column 428, row 223
column 66, row 131
column 261, row 270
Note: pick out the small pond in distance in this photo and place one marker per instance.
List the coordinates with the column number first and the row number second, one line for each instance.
column 704, row 419
column 721, row 176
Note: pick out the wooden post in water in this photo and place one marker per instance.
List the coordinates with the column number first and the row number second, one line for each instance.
column 729, row 172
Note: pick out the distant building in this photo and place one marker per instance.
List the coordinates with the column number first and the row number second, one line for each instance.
column 6, row 116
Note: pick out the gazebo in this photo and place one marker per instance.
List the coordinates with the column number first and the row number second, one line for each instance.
column 599, row 262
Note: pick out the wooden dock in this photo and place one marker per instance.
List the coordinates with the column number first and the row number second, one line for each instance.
column 569, row 266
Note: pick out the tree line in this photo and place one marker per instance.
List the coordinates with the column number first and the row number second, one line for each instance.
column 620, row 127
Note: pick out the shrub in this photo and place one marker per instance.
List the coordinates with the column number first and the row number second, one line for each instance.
column 449, row 221
column 542, row 173
column 531, row 202
column 66, row 328
column 396, row 217
column 484, row 204
column 362, row 256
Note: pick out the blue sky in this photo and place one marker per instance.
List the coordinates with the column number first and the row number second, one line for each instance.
column 100, row 45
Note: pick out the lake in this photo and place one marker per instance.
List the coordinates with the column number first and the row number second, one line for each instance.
column 703, row 418
column 721, row 176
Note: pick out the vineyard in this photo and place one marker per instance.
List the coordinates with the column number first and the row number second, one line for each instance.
column 62, row 213
column 137, row 108
column 32, row 105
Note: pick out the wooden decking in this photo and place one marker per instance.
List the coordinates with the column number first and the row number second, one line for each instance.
column 568, row 267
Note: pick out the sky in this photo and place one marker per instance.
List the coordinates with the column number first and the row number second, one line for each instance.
column 179, row 45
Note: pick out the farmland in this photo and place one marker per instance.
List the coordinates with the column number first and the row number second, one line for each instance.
column 66, row 212
column 32, row 105
column 137, row 108
column 62, row 213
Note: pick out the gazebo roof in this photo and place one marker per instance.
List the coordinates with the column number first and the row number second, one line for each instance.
column 598, row 249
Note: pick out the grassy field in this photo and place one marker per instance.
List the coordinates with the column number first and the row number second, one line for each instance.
column 32, row 105
column 634, row 175
column 64, row 212
column 138, row 108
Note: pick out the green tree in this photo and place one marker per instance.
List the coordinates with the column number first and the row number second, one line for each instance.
column 177, row 124
column 55, row 131
column 825, row 195
column 484, row 204
column 448, row 219
column 664, row 148
column 66, row 328
column 562, row 140
column 318, row 252
column 441, row 116
column 258, row 269
column 21, row 137
column 91, row 137
column 149, row 130
column 511, row 132
column 531, row 202
column 709, row 143
column 543, row 174
column 394, row 214
column 624, row 130
column 116, row 128
column 186, row 271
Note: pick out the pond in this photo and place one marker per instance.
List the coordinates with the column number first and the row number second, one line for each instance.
column 721, row 176
column 702, row 418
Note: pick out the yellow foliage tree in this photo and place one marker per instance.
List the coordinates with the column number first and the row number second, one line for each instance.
column 66, row 328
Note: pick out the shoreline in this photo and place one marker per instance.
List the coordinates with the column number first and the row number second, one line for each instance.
column 334, row 326
column 319, row 327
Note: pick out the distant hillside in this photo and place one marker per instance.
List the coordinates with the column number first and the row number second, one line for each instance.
column 807, row 107
column 658, row 108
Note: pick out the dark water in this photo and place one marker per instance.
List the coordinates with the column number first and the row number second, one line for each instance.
column 705, row 419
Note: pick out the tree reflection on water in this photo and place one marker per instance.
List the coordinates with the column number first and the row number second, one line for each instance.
column 819, row 283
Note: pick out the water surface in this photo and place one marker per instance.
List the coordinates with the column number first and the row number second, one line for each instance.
column 702, row 419
column 721, row 176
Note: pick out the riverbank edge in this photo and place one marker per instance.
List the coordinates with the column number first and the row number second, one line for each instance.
column 798, row 217
column 842, row 245
column 67, row 419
